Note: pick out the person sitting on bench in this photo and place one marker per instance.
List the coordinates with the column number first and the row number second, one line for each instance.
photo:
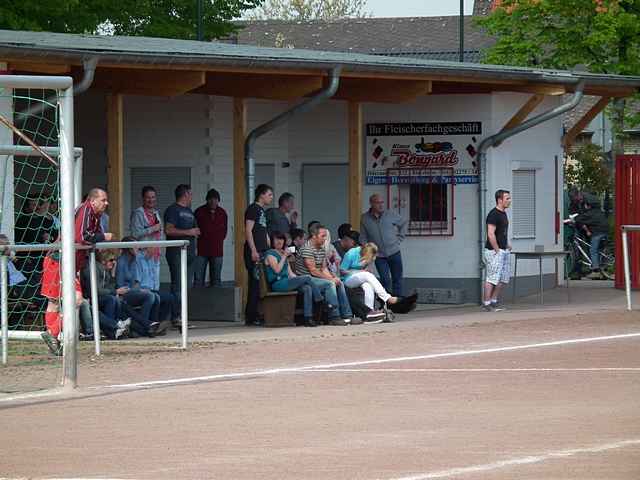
column 115, row 317
column 282, row 279
column 128, row 281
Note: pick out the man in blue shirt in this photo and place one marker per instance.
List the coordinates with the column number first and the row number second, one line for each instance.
column 180, row 224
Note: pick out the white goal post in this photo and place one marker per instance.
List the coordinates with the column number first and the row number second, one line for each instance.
column 64, row 87
column 625, row 252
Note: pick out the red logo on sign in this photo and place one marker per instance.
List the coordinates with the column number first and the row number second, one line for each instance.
column 441, row 159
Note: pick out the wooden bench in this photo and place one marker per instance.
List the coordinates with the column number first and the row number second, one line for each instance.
column 278, row 308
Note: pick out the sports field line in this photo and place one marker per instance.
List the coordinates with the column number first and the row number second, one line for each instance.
column 331, row 366
column 472, row 370
column 533, row 459
column 285, row 370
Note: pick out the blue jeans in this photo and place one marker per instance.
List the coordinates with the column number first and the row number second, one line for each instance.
column 215, row 271
column 173, row 260
column 390, row 270
column 109, row 307
column 310, row 292
column 168, row 306
column 86, row 319
column 335, row 296
column 141, row 320
column 594, row 250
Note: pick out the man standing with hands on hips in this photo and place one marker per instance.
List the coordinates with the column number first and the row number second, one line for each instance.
column 387, row 230
column 497, row 252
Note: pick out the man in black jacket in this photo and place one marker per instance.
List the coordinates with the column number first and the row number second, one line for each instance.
column 595, row 225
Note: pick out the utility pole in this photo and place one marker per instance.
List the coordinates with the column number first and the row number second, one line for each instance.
column 200, row 32
column 461, row 31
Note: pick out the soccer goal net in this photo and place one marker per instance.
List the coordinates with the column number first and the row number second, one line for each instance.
column 37, row 168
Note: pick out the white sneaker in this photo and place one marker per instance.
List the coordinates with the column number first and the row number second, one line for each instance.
column 122, row 327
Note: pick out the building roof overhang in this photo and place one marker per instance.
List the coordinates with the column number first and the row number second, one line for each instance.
column 155, row 66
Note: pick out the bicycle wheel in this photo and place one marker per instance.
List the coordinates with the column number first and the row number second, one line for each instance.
column 607, row 262
column 576, row 263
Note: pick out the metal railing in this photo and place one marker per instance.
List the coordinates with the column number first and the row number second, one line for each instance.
column 4, row 285
column 625, row 256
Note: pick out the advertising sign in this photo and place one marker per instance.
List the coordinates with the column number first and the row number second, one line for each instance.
column 416, row 146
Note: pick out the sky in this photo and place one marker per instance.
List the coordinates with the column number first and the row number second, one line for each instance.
column 417, row 8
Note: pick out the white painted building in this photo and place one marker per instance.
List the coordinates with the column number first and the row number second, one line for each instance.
column 188, row 137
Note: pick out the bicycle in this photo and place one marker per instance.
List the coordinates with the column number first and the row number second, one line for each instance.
column 579, row 249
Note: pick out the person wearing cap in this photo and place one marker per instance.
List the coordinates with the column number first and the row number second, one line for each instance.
column 213, row 224
column 348, row 240
column 595, row 226
column 343, row 230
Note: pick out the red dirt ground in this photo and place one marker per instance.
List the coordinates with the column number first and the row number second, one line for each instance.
column 562, row 411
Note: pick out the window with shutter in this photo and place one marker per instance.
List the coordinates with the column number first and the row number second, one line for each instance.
column 523, row 207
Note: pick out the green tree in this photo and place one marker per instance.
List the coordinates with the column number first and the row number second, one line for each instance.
column 602, row 36
column 305, row 10
column 585, row 170
column 154, row 18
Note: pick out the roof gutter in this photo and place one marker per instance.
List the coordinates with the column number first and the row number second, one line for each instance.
column 494, row 141
column 83, row 85
column 305, row 106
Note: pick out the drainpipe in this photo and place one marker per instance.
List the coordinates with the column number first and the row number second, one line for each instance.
column 494, row 141
column 305, row 106
column 83, row 85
